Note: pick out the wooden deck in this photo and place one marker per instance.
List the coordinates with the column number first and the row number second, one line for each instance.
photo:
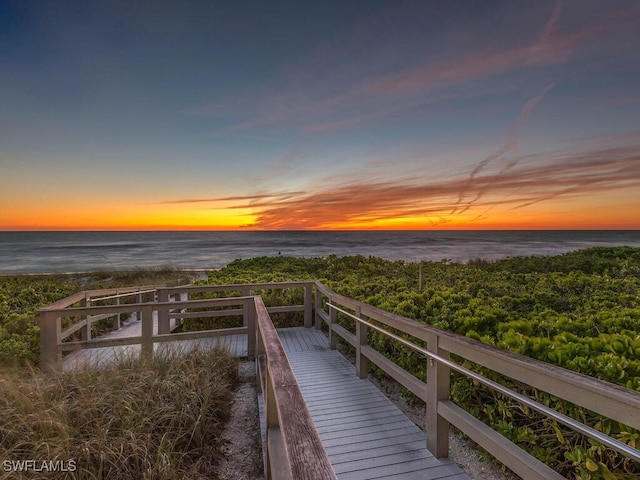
column 364, row 434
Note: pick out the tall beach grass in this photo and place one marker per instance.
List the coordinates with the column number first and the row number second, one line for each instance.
column 158, row 418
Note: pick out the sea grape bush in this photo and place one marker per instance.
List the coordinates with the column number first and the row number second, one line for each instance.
column 20, row 297
column 580, row 310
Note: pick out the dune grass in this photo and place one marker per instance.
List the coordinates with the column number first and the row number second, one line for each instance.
column 159, row 418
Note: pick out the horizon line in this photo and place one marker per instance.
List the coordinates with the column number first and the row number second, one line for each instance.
column 246, row 230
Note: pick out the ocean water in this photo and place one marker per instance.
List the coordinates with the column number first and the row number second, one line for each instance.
column 55, row 252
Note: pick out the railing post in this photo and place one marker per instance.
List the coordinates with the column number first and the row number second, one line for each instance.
column 250, row 310
column 184, row 297
column 138, row 300
column 362, row 330
column 246, row 292
column 271, row 418
column 308, row 305
column 50, row 329
column 333, row 318
column 147, row 332
column 438, row 383
column 116, row 320
column 85, row 332
column 164, row 326
column 318, row 308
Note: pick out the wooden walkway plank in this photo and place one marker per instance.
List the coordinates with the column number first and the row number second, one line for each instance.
column 354, row 413
column 364, row 453
column 408, row 470
column 400, row 438
column 322, row 408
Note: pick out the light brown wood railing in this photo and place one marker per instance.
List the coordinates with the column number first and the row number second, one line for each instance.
column 171, row 305
column 293, row 448
column 51, row 331
column 611, row 401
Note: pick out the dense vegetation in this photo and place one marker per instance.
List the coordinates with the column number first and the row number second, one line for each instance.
column 580, row 311
column 153, row 419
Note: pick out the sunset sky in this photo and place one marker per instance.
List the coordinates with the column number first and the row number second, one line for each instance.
column 357, row 114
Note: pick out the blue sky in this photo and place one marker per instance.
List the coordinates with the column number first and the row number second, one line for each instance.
column 358, row 114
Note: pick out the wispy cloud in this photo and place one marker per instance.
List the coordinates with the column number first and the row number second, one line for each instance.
column 534, row 179
column 510, row 144
column 550, row 47
column 239, row 198
column 337, row 90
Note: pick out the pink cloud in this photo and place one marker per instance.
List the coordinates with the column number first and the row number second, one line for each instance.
column 549, row 48
column 340, row 86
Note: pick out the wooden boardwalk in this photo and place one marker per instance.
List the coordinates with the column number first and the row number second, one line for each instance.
column 365, row 435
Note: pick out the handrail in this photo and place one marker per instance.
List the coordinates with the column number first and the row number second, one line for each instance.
column 52, row 347
column 51, row 336
column 293, row 448
column 120, row 295
column 613, row 401
column 592, row 433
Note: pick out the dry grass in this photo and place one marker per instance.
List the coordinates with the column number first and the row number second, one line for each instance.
column 164, row 275
column 140, row 419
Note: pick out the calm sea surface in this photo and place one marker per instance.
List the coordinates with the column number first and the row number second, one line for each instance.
column 43, row 252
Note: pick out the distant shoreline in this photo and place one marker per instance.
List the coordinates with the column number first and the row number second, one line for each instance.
column 78, row 252
column 102, row 272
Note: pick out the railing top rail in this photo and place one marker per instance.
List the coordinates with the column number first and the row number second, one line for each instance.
column 110, row 293
column 549, row 412
column 85, row 294
column 132, row 307
column 120, row 295
column 118, row 290
column 64, row 302
column 237, row 286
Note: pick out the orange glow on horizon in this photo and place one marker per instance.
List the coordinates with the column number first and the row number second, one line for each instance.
column 615, row 212
column 159, row 221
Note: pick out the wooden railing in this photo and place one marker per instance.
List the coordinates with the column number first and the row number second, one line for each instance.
column 52, row 333
column 293, row 448
column 287, row 415
column 171, row 306
column 611, row 401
